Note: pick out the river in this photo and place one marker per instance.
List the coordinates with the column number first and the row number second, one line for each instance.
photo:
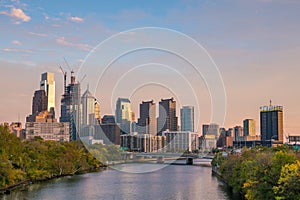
column 170, row 182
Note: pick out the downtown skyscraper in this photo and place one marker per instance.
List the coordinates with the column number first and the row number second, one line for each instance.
column 271, row 122
column 124, row 115
column 90, row 109
column 249, row 127
column 167, row 119
column 187, row 118
column 47, row 84
column 147, row 123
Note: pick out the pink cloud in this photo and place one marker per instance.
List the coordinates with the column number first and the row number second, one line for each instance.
column 17, row 14
column 76, row 19
column 63, row 42
column 16, row 42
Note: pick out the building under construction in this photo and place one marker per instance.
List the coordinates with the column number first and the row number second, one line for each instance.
column 70, row 105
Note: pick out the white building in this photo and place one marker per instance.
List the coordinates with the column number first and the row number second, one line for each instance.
column 124, row 115
column 89, row 104
column 181, row 141
column 48, row 131
column 48, row 84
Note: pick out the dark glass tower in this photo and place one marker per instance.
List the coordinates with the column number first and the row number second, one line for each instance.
column 39, row 102
column 167, row 116
column 271, row 123
column 147, row 120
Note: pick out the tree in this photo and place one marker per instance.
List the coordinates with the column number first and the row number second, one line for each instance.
column 289, row 182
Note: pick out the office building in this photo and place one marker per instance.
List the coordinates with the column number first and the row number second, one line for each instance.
column 48, row 85
column 167, row 119
column 39, row 102
column 147, row 121
column 158, row 143
column 211, row 129
column 90, row 109
column 124, row 115
column 48, row 131
column 97, row 112
column 109, row 133
column 187, row 118
column 181, row 141
column 238, row 133
column 271, row 123
column 108, row 119
column 249, row 127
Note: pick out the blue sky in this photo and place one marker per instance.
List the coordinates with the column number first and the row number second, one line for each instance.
column 255, row 44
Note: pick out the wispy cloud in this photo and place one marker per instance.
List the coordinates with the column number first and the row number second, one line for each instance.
column 17, row 14
column 17, row 50
column 16, row 42
column 80, row 60
column 38, row 34
column 76, row 19
column 63, row 42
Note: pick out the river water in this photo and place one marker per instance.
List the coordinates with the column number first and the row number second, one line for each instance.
column 168, row 183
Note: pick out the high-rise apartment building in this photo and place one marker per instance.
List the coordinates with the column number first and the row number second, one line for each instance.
column 48, row 85
column 249, row 127
column 147, row 121
column 187, row 118
column 167, row 119
column 124, row 115
column 271, row 123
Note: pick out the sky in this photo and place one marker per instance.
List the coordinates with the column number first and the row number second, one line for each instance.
column 254, row 44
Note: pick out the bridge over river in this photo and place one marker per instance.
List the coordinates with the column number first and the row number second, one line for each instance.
column 165, row 158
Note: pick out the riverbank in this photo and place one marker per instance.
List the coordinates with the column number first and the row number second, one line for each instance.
column 260, row 173
column 9, row 189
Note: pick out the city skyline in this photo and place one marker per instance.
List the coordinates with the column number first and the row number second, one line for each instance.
column 257, row 53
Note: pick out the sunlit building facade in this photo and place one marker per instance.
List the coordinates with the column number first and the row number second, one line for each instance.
column 48, row 85
column 124, row 115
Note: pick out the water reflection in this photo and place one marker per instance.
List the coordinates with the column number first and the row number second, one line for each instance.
column 171, row 182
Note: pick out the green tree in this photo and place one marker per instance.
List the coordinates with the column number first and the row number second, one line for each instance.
column 289, row 182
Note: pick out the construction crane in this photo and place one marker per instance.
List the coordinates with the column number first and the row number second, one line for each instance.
column 65, row 79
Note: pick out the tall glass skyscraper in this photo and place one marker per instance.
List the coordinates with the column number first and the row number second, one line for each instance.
column 48, row 85
column 147, row 121
column 124, row 115
column 89, row 104
column 187, row 118
column 167, row 119
column 271, row 123
column 249, row 127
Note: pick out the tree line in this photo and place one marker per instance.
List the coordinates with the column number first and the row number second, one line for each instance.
column 261, row 172
column 39, row 160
